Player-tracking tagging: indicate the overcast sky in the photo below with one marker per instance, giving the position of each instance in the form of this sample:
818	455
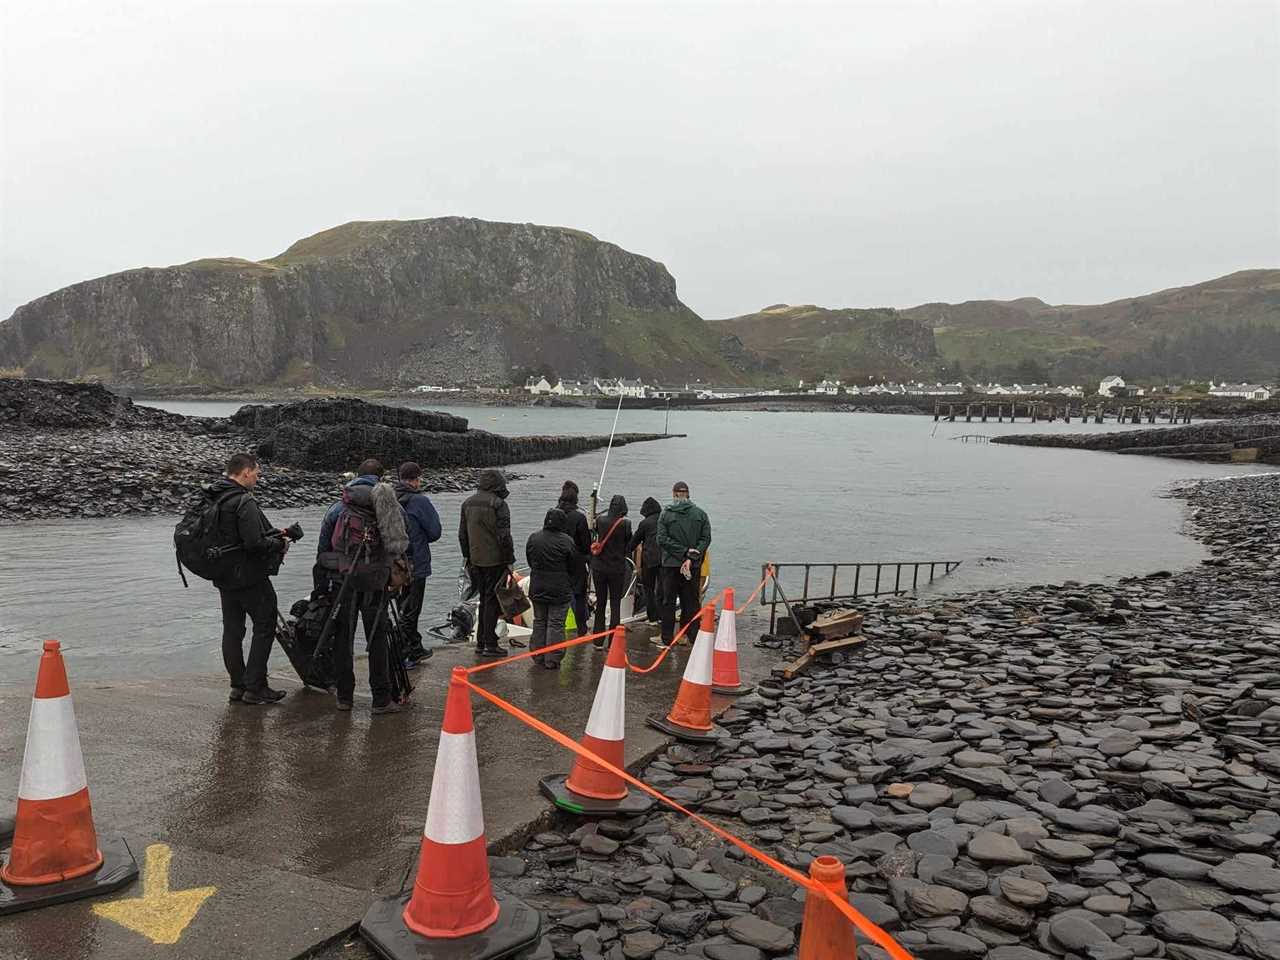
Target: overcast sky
851	154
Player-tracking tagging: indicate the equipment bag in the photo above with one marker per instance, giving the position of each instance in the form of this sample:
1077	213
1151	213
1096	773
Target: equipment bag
511	599
198	534
598	547
358	542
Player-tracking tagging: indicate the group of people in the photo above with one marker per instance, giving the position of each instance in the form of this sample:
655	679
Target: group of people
377	541
669	545
378	536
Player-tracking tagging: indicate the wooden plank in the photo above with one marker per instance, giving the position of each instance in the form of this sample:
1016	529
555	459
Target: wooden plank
802	662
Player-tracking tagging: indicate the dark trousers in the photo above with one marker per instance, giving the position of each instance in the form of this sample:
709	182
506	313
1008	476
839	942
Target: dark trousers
487	580
675	587
652	587
580	603
367	605
410	611
609	586
548	629
258	603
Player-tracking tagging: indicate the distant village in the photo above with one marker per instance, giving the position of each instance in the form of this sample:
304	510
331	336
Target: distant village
1111	386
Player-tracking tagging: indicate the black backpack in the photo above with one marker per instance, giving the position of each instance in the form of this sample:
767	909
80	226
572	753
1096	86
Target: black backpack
198	535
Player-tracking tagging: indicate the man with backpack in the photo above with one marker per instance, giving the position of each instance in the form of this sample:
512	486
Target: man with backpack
423	525
609	564
244	580
365	536
484	536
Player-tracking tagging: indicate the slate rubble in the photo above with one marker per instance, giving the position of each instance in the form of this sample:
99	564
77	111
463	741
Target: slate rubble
1096	774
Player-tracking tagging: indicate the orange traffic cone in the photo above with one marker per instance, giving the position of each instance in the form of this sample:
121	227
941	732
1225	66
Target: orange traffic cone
826	934
590	789
690	717
55	855
724	665
452	897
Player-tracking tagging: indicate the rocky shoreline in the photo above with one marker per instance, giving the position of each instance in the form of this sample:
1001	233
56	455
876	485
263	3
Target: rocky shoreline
71	450
1065	771
1251	439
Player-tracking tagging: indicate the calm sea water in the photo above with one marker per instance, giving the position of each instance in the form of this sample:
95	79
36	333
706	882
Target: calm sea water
778	487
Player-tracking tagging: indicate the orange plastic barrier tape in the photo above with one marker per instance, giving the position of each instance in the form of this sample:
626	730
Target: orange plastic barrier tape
768	572
662	654
869	929
479	668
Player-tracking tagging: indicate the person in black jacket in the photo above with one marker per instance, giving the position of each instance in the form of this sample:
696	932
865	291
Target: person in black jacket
609	563
485	538
580	532
646	537
552	558
245	589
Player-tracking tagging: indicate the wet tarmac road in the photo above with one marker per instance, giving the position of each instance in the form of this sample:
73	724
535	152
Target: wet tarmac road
312	810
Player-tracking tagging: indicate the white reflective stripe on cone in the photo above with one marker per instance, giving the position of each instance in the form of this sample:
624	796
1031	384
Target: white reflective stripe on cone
698	669
53	766
608	710
727	632
454	814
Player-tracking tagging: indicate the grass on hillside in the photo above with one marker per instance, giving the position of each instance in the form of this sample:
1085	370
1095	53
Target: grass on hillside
974	347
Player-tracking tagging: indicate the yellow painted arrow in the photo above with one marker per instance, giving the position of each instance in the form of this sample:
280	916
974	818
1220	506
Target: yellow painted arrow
160	914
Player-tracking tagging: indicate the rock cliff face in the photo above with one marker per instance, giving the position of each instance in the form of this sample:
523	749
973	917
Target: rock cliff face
376	304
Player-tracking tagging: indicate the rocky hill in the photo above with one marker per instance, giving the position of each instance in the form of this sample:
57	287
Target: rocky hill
376	304
1228	327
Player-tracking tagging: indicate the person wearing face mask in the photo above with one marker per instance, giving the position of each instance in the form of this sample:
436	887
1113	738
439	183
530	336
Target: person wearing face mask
684	535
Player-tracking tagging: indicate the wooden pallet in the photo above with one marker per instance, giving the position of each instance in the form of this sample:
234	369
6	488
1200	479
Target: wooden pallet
835	625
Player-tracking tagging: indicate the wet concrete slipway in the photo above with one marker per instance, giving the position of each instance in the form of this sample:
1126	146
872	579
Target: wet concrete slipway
295	815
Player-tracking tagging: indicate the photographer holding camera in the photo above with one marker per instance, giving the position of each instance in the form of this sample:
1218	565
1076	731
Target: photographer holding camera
245	583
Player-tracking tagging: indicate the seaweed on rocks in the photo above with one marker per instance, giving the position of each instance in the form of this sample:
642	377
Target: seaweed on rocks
1072	770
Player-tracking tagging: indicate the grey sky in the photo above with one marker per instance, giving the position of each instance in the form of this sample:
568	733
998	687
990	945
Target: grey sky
853	154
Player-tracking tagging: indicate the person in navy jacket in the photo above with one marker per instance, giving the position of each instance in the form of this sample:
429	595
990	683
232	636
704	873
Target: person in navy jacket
423	524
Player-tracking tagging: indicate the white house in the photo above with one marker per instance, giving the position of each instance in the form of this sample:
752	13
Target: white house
539	386
1244	391
1108	384
935	389
880	389
574	388
1070	391
831	387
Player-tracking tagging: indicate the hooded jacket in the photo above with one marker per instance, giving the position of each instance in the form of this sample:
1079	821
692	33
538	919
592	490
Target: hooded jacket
552	559
612	557
684	533
241	521
580	532
422	523
484	534
647	534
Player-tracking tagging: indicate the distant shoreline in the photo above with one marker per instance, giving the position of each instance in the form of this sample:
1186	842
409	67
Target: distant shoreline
1204	408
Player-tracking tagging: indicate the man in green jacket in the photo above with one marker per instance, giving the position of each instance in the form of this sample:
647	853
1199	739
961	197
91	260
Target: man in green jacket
684	534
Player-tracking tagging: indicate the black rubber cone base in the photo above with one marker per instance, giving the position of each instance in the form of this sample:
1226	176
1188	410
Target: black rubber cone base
118	869
518	926
687	734
740	690
632	805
